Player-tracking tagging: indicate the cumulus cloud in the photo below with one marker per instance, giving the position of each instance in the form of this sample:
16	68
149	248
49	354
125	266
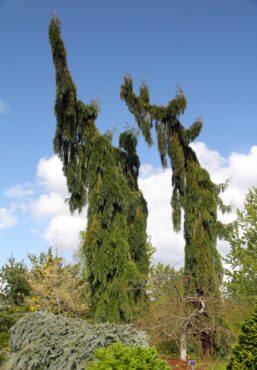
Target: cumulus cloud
156	186
3	107
7	218
238	169
48	205
50	175
63	231
155	183
19	191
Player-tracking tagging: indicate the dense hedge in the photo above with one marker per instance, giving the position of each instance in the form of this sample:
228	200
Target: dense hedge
45	341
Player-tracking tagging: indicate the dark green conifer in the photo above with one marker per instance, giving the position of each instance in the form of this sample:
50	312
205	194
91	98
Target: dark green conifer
193	190
244	354
114	244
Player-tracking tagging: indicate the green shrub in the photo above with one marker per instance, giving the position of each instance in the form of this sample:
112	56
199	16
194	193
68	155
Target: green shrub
244	354
9	315
120	357
45	341
3	358
168	347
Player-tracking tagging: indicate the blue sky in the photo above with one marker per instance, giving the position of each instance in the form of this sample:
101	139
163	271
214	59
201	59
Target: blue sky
207	47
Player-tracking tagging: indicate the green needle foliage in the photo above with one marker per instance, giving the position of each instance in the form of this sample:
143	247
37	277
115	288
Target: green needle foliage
193	191
114	244
242	236
15	287
45	341
120	357
244	355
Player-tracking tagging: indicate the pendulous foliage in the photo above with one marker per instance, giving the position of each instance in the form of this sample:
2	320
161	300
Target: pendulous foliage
114	244
193	190
45	341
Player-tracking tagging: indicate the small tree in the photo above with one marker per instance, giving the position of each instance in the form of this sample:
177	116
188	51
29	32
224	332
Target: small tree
15	285
56	287
242	273
244	355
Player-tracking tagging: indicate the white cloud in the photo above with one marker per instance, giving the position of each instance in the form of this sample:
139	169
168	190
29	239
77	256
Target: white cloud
156	186
63	231
48	205
7	218
50	175
238	168
3	107
19	191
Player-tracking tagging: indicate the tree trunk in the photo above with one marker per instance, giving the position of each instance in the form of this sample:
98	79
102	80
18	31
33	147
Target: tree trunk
206	345
183	347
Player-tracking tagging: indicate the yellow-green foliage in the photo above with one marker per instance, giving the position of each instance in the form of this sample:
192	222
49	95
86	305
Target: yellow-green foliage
120	357
57	287
114	244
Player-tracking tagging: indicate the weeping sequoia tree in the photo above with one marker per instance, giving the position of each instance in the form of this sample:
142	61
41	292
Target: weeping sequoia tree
196	195
105	178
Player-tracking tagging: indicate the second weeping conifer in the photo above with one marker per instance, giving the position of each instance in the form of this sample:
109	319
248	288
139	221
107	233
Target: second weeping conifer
193	191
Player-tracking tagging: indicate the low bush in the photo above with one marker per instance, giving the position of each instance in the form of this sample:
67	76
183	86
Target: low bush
120	357
44	341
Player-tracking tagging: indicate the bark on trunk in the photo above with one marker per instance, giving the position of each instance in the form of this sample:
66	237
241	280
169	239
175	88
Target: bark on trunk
206	345
183	347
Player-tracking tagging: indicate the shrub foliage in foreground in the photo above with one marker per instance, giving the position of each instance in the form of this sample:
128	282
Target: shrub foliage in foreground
120	357
45	341
244	355
9	315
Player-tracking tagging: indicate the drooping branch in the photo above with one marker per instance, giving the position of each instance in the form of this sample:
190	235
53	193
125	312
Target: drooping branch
75	128
193	190
114	246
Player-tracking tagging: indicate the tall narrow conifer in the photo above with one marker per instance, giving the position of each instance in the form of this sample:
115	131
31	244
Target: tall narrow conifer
193	191
114	244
